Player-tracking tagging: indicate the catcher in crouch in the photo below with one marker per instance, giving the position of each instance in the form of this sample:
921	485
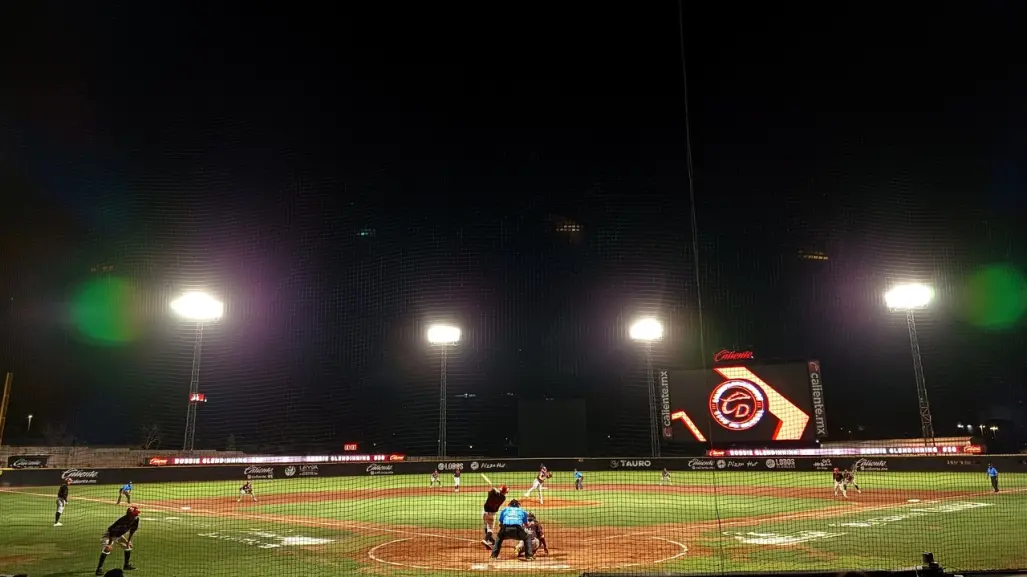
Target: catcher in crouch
535	534
120	533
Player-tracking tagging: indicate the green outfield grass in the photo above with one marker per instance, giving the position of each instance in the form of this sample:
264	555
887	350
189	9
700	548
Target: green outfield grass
770	521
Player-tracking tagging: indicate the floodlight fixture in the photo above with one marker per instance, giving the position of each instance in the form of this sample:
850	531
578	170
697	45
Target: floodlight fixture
909	297
198	306
647	329
443	334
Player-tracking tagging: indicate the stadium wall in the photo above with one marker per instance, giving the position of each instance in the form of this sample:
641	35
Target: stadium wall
107	457
108	476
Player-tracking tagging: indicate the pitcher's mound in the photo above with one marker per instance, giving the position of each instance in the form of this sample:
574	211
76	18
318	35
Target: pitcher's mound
599	553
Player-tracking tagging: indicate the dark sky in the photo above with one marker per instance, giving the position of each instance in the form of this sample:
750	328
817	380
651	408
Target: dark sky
242	150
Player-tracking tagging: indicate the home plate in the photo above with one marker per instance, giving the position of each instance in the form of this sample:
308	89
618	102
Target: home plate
517	566
913	500
187	508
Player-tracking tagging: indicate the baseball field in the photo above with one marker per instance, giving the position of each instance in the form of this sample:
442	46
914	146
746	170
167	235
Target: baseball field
706	522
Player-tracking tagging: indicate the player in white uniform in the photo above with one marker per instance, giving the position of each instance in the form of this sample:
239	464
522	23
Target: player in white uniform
665	477
539	483
456	480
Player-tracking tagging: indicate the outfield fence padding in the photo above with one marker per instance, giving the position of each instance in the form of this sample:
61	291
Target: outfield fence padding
170	474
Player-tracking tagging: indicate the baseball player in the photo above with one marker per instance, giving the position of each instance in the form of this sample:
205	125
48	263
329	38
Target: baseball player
539	483
493	502
435	479
850	479
120	533
839	483
62	501
665	477
126	492
511	526
456	480
579	480
535	534
246	489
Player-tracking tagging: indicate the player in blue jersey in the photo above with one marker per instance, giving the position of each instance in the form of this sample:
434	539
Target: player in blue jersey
126	492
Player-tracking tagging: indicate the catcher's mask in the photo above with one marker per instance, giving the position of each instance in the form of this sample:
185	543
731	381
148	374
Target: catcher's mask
531	516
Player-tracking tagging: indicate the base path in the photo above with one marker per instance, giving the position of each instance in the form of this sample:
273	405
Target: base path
597	553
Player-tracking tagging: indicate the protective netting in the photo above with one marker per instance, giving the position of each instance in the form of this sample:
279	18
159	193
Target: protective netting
628	516
542	211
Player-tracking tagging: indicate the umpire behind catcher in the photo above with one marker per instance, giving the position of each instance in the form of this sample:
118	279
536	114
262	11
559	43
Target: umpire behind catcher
511	521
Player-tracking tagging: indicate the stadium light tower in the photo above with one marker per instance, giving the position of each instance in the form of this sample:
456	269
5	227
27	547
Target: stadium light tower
199	308
443	336
648	331
910	298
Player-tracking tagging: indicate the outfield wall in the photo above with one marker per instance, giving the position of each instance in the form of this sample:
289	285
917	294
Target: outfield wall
101	476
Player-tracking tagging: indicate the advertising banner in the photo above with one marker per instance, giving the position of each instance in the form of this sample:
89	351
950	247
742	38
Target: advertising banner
636	467
27	461
816	388
665	426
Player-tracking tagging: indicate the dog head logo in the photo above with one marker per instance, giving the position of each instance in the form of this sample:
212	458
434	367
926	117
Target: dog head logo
738	405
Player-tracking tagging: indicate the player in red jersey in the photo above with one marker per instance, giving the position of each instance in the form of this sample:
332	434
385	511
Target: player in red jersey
839	483
120	533
539	483
245	490
537	536
850	479
493	501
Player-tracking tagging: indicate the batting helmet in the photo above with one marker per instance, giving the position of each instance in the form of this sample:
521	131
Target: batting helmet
503	489
133	511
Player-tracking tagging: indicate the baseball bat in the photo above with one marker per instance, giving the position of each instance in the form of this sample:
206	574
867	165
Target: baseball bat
486	479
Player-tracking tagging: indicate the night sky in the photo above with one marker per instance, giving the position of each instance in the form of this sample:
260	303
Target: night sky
343	178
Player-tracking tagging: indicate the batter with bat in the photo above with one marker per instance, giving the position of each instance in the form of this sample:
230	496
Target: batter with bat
493	501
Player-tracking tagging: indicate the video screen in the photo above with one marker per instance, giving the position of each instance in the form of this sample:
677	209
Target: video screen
741	403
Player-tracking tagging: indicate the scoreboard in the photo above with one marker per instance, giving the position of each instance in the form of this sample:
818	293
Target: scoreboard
735	402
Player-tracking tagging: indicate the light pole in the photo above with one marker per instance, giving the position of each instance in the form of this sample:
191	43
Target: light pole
647	331
28	429
199	308
910	298
443	336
